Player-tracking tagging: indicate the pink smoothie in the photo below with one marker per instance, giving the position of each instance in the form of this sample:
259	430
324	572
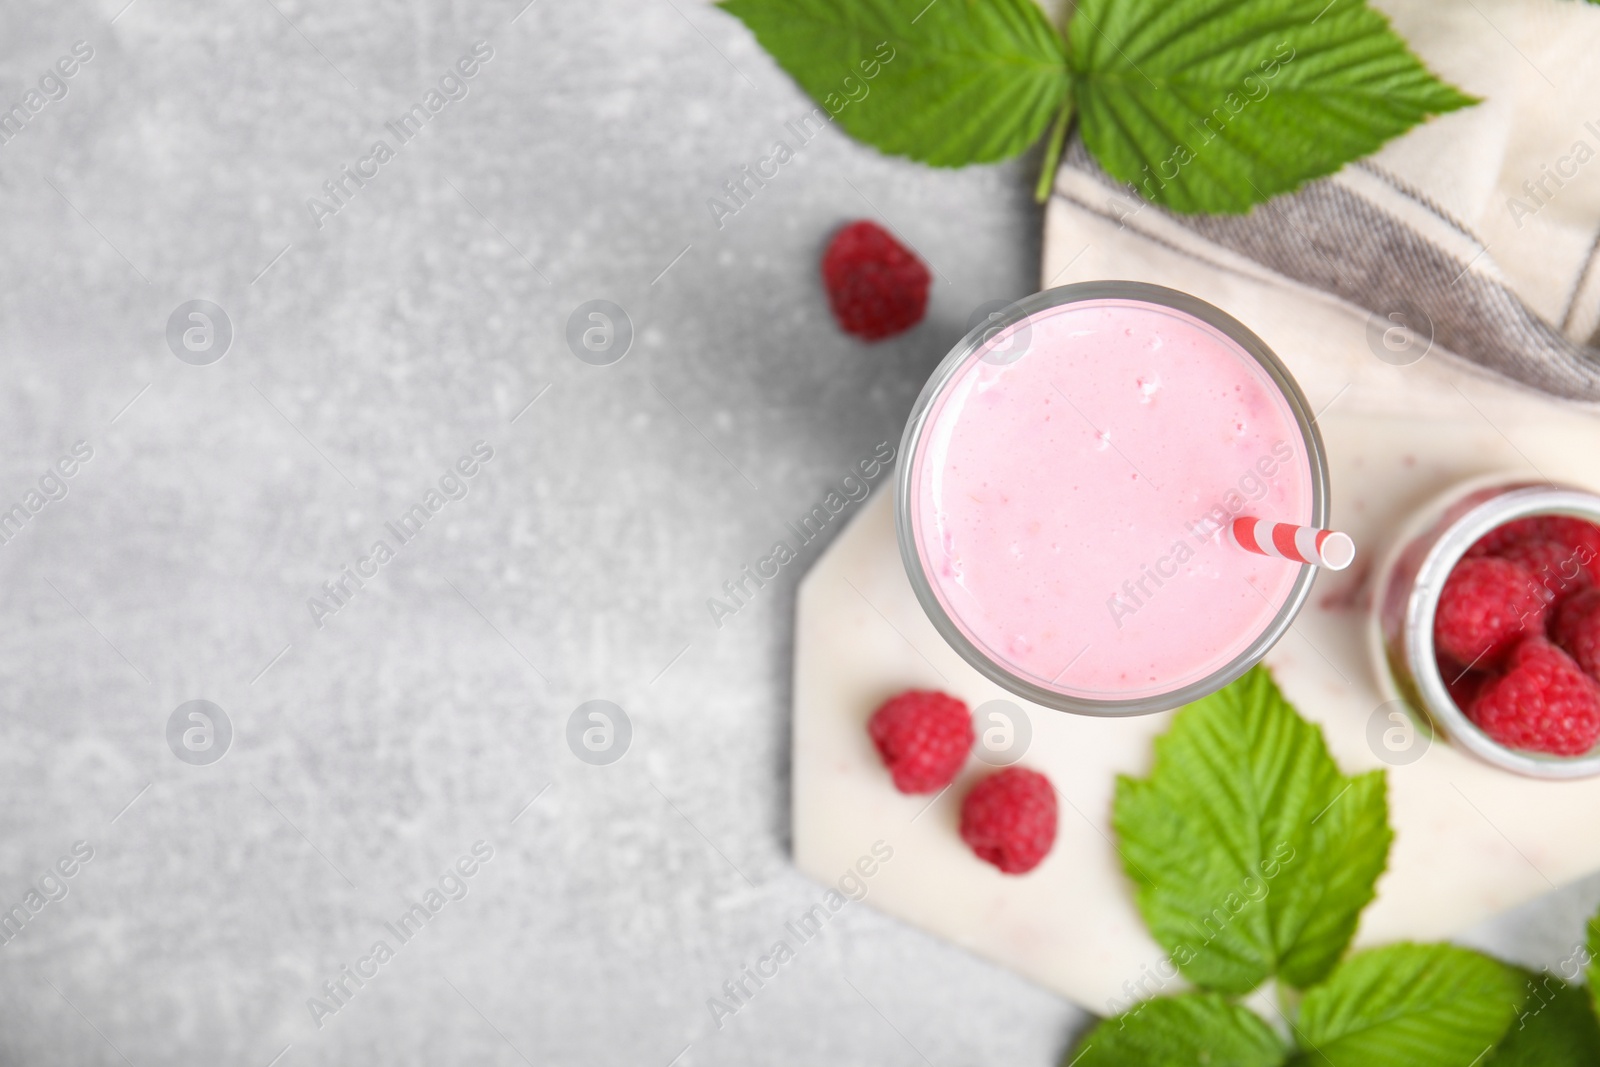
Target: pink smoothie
1067	505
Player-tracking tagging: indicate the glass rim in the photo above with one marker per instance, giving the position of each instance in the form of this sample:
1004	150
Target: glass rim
911	439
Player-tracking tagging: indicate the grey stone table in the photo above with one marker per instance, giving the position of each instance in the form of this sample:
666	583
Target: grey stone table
243	345
379	730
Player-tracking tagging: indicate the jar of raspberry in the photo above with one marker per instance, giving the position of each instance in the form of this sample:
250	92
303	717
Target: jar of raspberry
1487	623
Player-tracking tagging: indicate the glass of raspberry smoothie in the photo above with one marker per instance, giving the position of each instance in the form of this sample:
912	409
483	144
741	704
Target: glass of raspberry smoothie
1069	474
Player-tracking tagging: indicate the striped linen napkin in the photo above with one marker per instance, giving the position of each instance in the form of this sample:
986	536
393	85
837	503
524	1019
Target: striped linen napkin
1476	235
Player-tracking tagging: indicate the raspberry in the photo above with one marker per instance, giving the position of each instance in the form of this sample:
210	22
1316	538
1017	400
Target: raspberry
1558	568
1579	536
1577	630
1463	685
1502	537
1009	819
1486	605
1582	538
1543	703
923	737
875	286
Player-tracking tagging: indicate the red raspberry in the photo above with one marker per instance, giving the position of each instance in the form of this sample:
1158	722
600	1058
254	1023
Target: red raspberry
923	737
1486	605
1579	535
1502	537
1009	819
1558	568
1463	685
1543	703
1577	630
875	286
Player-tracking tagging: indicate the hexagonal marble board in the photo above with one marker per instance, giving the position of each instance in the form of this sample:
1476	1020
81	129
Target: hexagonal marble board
1470	840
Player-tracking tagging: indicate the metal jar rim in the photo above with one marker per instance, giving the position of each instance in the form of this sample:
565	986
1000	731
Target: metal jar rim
956	359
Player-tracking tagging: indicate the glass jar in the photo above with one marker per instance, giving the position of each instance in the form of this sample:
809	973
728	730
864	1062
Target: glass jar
1409	583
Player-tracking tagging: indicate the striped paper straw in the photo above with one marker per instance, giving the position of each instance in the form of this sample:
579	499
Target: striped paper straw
1303	544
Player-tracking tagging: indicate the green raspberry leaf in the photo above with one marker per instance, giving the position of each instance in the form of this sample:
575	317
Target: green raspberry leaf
952	82
1181	1032
1556	1027
1594	954
1252	854
1216	105
1409	1005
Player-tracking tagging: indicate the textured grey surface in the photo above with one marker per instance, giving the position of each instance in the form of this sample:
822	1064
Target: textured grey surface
426	713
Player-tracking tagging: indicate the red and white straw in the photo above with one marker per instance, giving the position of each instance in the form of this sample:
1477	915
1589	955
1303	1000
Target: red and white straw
1303	544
